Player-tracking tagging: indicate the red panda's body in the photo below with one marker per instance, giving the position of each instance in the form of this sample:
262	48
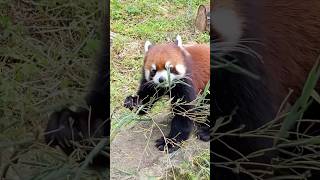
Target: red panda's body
288	35
278	40
183	68
200	65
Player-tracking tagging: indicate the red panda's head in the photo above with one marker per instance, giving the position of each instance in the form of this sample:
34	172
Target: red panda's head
164	63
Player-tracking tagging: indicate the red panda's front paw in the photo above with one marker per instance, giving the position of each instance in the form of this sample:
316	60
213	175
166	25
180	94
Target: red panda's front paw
167	144
63	127
131	102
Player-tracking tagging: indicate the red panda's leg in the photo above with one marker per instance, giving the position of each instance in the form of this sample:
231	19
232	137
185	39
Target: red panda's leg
181	125
181	128
203	129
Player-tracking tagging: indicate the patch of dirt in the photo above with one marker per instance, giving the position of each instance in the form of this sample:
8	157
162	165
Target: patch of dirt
134	155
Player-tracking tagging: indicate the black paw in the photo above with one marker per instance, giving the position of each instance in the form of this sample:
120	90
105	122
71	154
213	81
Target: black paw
131	102
69	129
167	144
63	126
203	133
67	126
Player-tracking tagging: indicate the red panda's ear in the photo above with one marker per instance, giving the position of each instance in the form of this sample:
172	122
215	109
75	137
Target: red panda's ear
178	41
228	24
147	46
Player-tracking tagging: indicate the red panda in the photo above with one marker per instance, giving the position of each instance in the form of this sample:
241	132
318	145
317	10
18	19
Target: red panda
277	40
164	66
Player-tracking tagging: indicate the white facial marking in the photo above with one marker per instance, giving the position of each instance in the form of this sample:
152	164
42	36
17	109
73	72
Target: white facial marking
228	24
147	74
162	74
179	40
181	69
147	46
153	66
168	64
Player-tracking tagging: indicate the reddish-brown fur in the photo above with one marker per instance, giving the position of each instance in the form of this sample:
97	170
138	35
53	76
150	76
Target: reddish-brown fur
286	35
201	65
160	54
290	33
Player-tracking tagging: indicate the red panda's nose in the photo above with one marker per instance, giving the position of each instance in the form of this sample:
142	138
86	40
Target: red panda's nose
161	80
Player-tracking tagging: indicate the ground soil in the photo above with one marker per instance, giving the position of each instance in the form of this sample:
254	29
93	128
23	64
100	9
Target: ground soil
134	156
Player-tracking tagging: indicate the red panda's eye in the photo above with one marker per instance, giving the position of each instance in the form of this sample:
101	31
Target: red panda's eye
153	72
173	70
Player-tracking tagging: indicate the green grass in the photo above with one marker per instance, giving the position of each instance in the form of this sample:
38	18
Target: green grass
46	54
155	20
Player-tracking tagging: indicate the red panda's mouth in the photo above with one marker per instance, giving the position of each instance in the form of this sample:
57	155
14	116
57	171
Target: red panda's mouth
164	77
